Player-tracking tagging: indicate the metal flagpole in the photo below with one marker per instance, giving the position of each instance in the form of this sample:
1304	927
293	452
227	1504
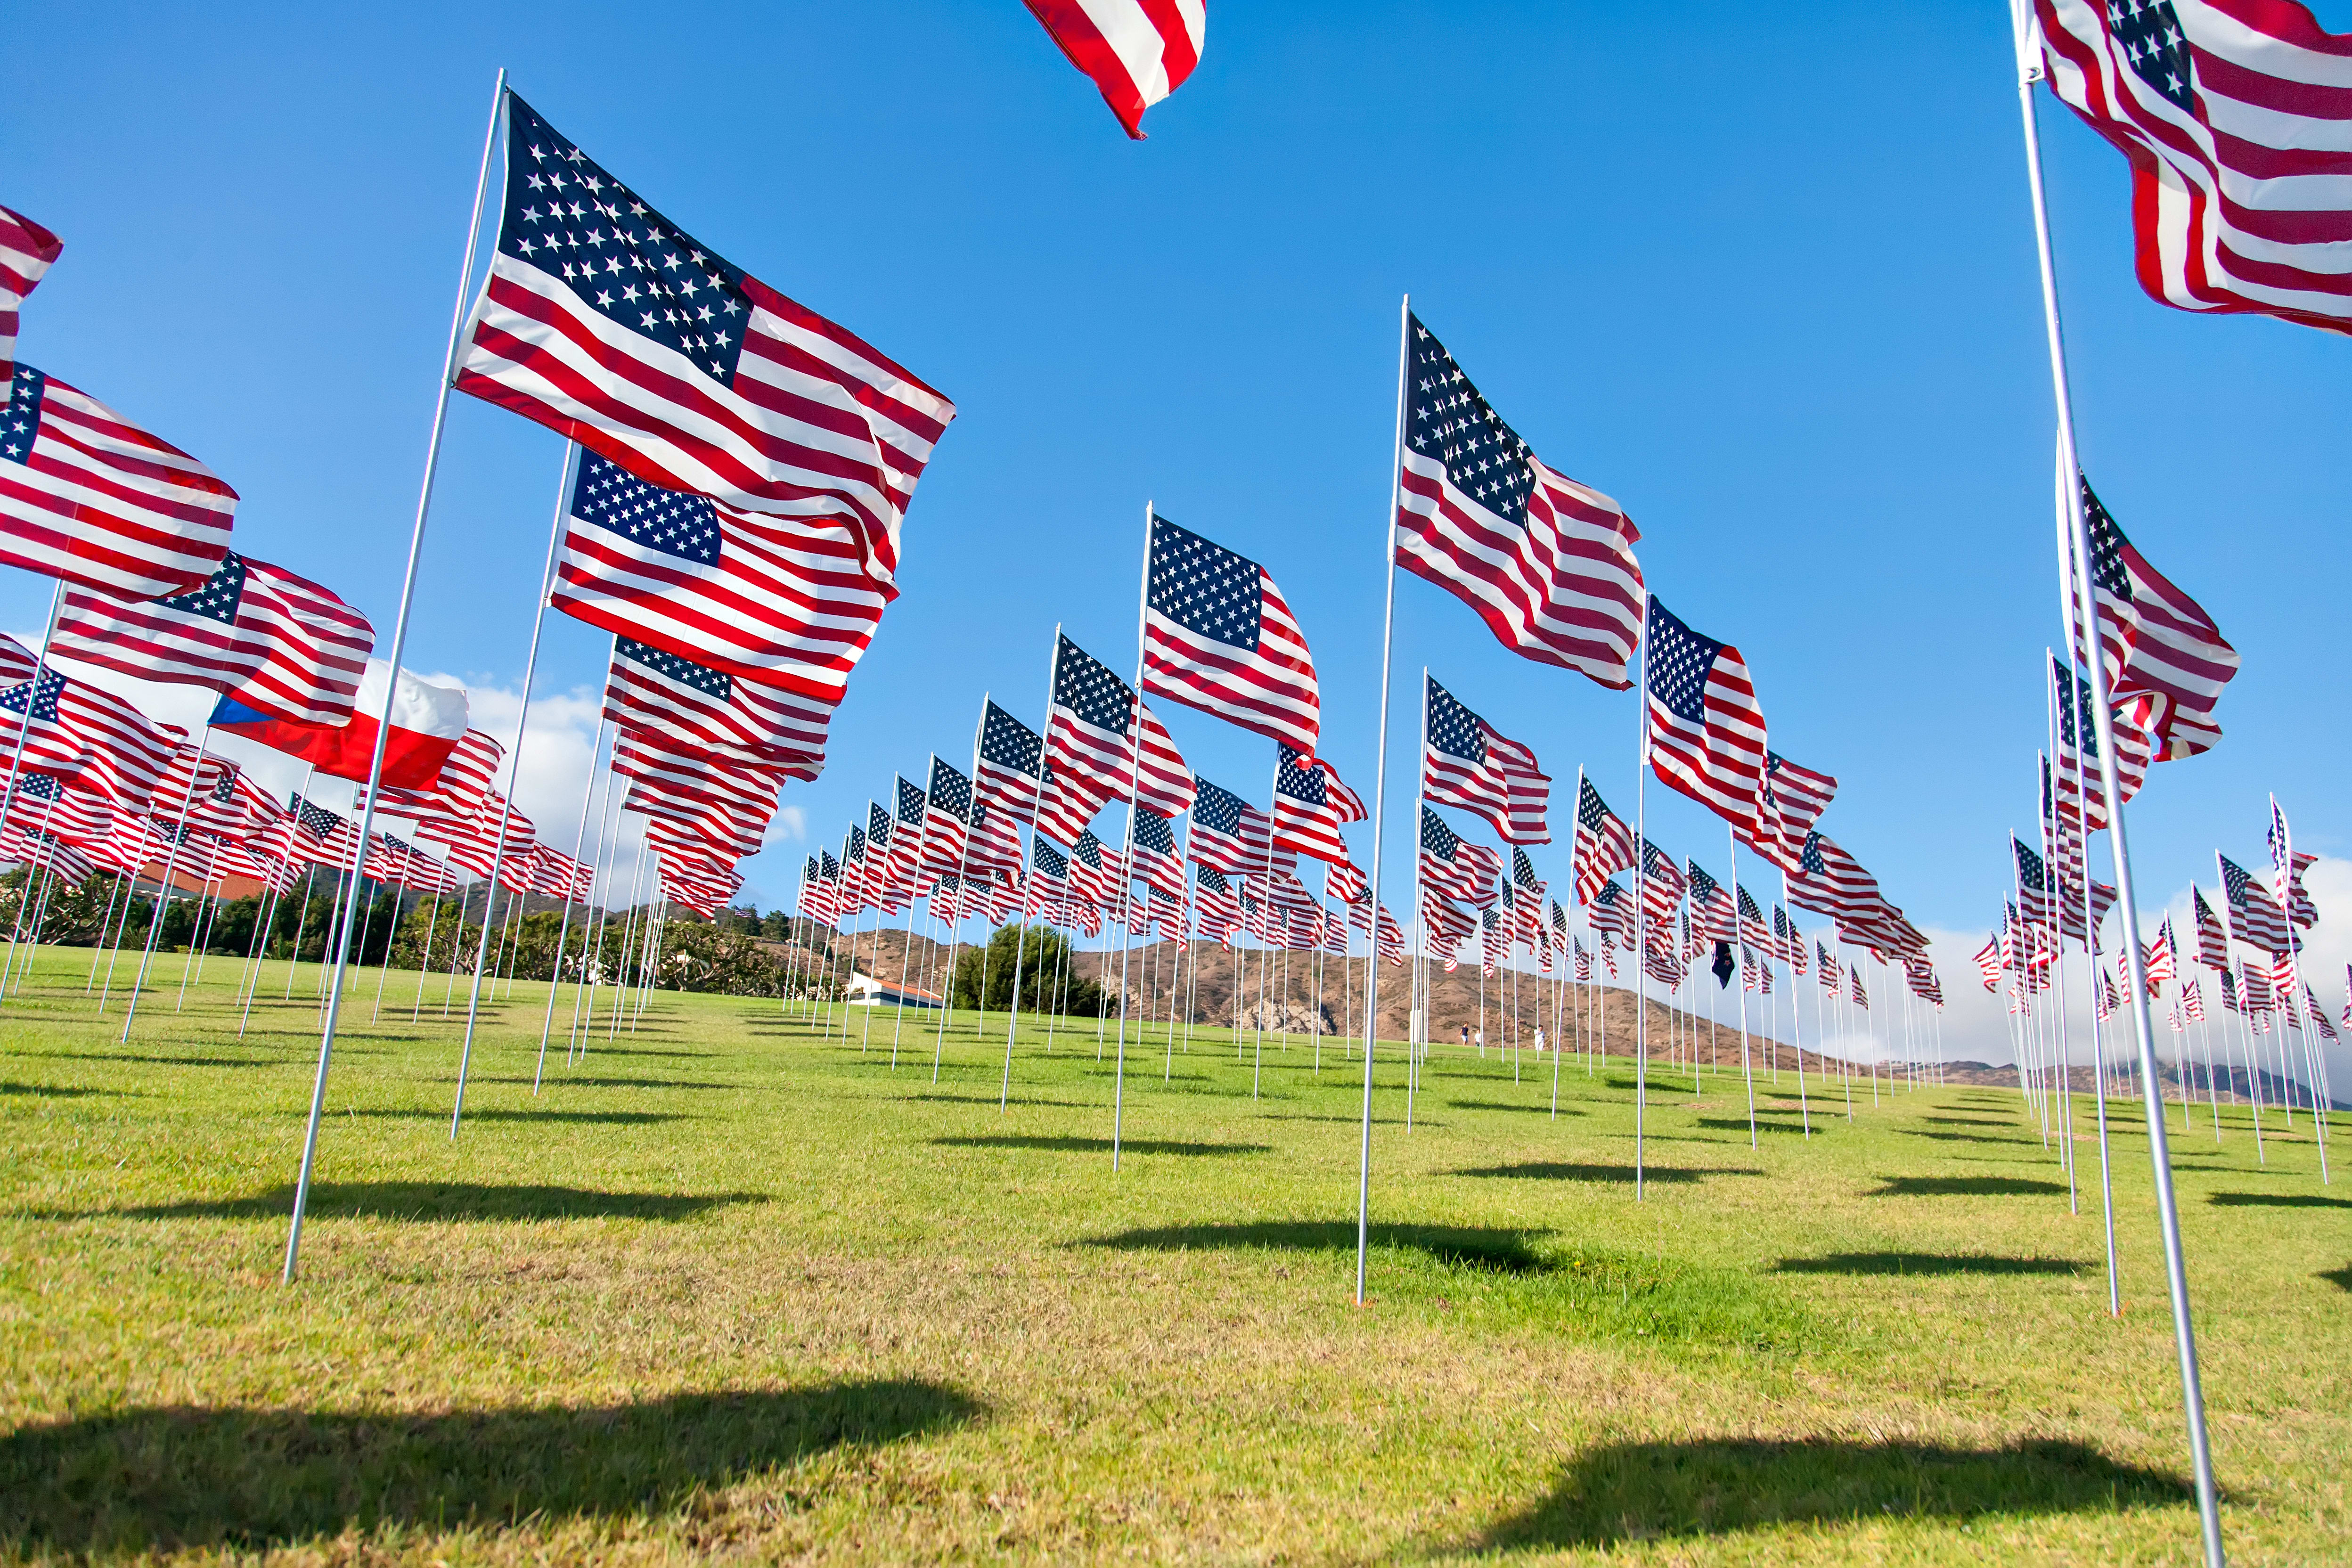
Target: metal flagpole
514	772
163	889
1126	852
2295	995
575	1046
32	690
1021	931
1380	793
1796	1017
2160	1154
563	934
955	899
391	677
1640	900
1266	912
914	884
1747	1068
1417	1051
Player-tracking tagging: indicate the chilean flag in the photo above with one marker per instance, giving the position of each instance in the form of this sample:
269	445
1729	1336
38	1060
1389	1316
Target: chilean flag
426	722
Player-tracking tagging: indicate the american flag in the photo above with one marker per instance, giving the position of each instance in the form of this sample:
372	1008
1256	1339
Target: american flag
555	873
2081	782
1010	756
1156	857
1454	867
1446	927
1920	976
1493	946
1794	798
1530	901
1049	872
82	733
1547	562
1218	637
1345	882
1220	909
457	791
321	838
1828	881
477	844
2105	1000
706	890
675	785
887	860
88	497
2035	888
1095	872
1707	733
25	252
2192	1000
65	861
1232	836
906	839
1137	51
1662	884
1825	968
1752	929
2255	918
2230	992
1860	997
203	789
1608	912
1583	965
2161	961
2233	120
1466	762
1791	941
2166	661
946	818
1664	967
1711	907
2287	866
827	903
778	601
1989	963
1089	749
1604	844
606	322
808	903
2212	941
701	712
284	645
1310	805
996	842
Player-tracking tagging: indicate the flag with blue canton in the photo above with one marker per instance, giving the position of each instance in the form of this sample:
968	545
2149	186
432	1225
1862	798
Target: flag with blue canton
1156	860
1707	736
1603	845
607	322
1232	836
1009	755
1454	868
704	712
1218	637
1310	805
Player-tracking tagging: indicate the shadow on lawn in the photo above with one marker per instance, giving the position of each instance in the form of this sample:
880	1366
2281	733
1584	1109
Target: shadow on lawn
614	1118
1963	1186
2278	1200
1539	1109
54	1090
1477	1247
1558	1170
432	1201
167	1477
1926	1263
1071	1144
1641	1491
566	1078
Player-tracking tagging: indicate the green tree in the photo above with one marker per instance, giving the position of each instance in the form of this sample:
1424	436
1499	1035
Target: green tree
1045	957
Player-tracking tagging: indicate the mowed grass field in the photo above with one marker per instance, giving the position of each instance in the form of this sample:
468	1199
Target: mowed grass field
726	1287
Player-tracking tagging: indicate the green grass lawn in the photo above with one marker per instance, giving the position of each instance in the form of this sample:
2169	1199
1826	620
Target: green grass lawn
725	1287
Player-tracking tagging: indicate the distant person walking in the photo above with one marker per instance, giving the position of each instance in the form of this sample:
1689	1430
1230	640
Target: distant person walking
1539	1039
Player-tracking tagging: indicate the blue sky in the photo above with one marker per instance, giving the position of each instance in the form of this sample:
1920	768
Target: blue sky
1766	276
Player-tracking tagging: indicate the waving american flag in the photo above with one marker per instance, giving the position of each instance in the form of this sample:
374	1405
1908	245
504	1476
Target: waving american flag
1217	636
1137	51
704	712
25	252
1547	562
1310	805
1706	730
1467	761
605	321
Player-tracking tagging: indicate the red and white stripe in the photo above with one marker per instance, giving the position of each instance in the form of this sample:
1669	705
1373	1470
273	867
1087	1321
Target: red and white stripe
2242	202
1137	51
1714	756
98	740
90	498
25	252
1794	798
293	651
1270	690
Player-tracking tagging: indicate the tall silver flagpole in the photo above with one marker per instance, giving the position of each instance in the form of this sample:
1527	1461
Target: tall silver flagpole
163	884
399	644
514	777
1021	933
1380	801
1747	1068
2312	1058
32	690
1641	900
955	899
1416	1051
2158	1148
563	934
1126	851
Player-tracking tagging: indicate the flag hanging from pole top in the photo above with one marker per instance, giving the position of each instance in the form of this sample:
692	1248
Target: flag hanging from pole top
89	497
1706	730
2165	658
782	601
607	322
1547	562
1218	636
283	646
25	252
1604	844
2235	117
1467	761
1137	51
